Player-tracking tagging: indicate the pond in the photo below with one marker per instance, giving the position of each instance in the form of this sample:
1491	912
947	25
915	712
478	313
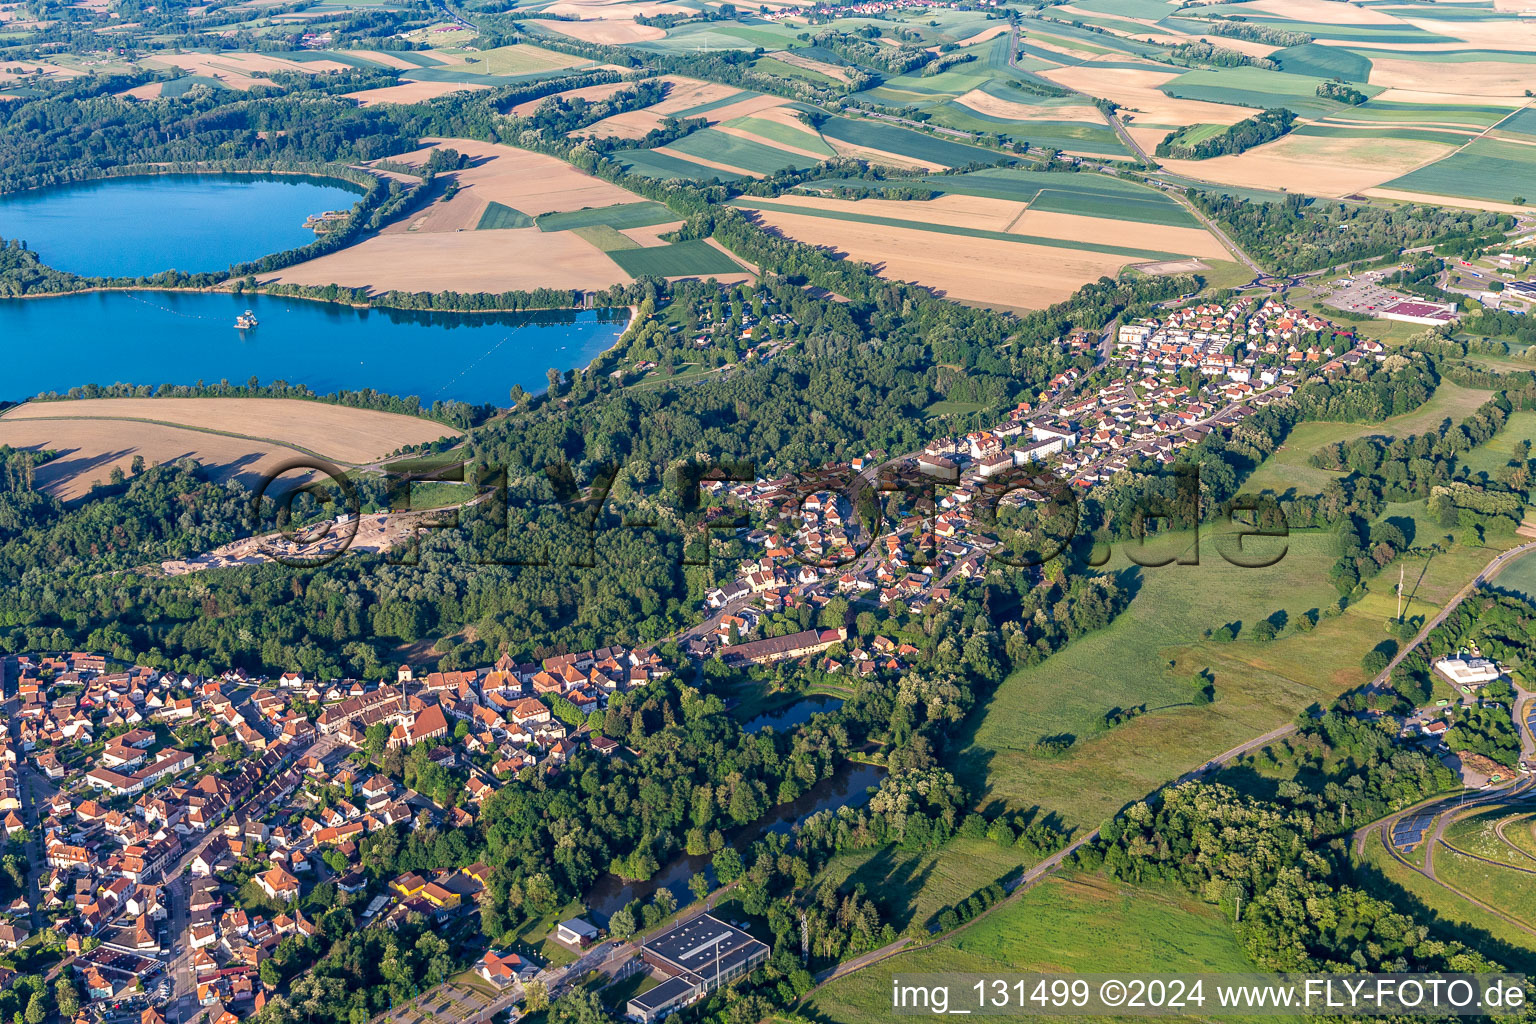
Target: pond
847	788
797	713
54	344
131	227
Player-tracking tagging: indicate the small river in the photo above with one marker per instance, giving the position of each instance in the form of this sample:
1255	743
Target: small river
131	227
848	788
54	344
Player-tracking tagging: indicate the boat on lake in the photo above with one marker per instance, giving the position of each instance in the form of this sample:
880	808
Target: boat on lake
245	321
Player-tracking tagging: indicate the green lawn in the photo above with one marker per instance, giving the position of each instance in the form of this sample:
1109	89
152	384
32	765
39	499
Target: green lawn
661	165
889	138
1127	665
1254	87
1064	925
1475	834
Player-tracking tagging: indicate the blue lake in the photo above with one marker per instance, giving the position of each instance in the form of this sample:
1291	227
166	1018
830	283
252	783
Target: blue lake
130	227
154	338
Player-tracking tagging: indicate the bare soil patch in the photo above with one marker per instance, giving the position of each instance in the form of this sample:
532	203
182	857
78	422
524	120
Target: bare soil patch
795	60
1099	230
984	35
1325	12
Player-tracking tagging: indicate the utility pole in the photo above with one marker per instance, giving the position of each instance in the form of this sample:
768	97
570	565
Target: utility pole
1400	593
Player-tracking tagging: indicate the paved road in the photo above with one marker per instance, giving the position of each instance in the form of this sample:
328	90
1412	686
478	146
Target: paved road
1489	571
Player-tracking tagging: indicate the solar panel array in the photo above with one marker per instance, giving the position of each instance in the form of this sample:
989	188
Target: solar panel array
1409	831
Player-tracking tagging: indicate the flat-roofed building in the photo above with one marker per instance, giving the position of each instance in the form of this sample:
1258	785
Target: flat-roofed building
698	956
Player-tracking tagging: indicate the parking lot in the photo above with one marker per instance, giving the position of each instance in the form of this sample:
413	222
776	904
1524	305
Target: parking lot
1364	293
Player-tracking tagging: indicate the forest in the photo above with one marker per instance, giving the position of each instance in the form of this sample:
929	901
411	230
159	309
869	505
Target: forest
1262	127
1299	234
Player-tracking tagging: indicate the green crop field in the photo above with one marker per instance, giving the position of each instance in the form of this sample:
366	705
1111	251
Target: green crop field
1147	658
605	238
497	217
1521	122
660	165
852	215
774	66
1089	195
1153	10
1075	924
695	258
703	108
1344	131
901	141
1427	114
1485	169
773	131
1399	33
1519	576
626	215
723	35
733	151
1094	138
1324	62
1255	87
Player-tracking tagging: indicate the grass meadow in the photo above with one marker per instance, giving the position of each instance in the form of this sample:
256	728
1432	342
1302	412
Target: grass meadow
1077	924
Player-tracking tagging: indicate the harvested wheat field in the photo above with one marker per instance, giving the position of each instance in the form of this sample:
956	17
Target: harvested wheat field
992	272
410	92
530	182
337	432
1483	34
89	451
983	36
1483	81
590	93
1136	91
1317	166
608	31
1324	12
795	60
239	70
465	261
1102	231
1436	200
996	106
682	94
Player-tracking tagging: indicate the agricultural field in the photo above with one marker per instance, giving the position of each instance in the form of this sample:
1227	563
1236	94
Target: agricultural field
915	887
988	250
515	222
1485	169
1073	924
234	438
